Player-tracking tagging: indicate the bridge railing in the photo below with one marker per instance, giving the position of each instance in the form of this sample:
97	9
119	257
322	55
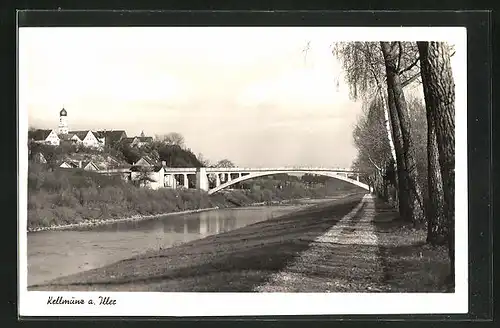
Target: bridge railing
285	168
256	169
180	169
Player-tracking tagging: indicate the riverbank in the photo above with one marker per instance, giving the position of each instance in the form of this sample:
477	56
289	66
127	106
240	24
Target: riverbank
343	246
100	222
64	199
94	223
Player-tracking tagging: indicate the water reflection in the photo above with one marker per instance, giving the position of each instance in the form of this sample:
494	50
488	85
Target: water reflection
56	253
203	223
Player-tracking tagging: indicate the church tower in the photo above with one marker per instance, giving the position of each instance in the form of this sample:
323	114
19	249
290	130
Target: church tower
63	122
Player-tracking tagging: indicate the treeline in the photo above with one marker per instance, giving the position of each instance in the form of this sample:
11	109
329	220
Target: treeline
409	147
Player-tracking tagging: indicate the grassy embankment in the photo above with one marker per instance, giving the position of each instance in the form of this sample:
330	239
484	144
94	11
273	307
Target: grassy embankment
409	263
62	197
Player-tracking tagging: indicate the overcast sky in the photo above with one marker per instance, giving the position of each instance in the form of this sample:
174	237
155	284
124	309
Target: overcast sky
246	94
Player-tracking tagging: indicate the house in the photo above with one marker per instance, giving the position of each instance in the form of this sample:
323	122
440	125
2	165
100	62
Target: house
68	165
113	136
85	165
140	141
87	138
89	166
48	137
148	176
145	161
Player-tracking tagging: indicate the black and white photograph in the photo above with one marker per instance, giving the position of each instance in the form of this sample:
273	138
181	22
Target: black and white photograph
200	171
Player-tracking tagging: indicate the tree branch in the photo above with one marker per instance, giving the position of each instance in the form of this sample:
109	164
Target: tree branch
411	66
376	166
410	80
400	54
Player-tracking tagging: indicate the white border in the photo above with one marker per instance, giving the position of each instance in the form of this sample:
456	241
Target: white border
232	304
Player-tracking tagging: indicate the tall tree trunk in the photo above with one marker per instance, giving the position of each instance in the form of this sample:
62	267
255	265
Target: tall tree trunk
439	91
387	122
387	125
402	181
436	220
390	53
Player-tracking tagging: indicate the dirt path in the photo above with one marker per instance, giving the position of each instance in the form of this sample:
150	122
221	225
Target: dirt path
332	252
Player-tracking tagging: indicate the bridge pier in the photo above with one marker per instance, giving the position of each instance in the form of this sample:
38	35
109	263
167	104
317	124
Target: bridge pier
202	179
357	177
186	181
217	179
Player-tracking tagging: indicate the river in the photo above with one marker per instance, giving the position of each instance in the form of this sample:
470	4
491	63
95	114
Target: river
52	254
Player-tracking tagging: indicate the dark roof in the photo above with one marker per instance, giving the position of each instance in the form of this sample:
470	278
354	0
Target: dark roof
80	134
38	134
114	135
63	112
98	134
157	168
64	137
128	140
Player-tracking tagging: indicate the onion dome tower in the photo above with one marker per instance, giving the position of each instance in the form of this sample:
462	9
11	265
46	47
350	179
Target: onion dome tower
63	122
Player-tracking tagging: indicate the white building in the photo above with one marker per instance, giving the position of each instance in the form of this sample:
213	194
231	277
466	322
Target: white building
86	138
149	176
48	137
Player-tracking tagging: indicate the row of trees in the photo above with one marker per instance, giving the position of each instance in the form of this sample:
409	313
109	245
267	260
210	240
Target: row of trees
388	134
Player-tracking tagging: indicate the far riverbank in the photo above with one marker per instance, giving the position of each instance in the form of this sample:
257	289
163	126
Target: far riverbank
97	222
65	199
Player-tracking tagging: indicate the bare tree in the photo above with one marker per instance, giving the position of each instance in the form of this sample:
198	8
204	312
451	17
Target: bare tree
173	138
374	150
439	92
204	162
224	163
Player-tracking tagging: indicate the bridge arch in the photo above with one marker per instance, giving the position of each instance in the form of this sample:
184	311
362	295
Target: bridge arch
265	173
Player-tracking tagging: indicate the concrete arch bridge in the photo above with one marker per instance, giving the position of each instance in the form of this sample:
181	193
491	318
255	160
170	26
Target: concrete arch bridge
226	177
